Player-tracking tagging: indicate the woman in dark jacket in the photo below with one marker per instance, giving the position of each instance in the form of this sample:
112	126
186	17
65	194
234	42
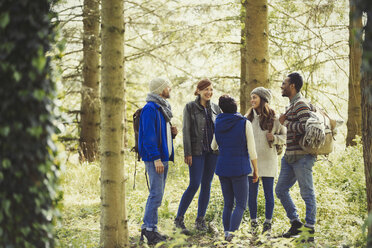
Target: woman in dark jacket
235	140
198	129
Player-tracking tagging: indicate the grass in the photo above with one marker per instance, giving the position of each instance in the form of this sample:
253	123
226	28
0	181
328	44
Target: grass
340	192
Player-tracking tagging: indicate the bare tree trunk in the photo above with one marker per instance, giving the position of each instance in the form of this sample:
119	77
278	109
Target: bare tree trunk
354	122
366	103
114	228
90	105
255	49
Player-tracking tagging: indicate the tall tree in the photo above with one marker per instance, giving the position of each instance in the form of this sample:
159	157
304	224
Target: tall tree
114	228
354	122
254	50
90	105
27	170
366	102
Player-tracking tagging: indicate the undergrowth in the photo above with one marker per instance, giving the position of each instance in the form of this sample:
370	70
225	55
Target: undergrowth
340	193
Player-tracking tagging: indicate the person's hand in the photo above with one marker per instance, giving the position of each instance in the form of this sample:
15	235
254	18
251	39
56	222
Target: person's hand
255	177
282	118
188	160
270	137
174	131
159	167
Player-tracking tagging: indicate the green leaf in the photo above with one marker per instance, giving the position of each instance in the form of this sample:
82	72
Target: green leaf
4	20
6	163
4	131
17	76
39	94
39	62
35	131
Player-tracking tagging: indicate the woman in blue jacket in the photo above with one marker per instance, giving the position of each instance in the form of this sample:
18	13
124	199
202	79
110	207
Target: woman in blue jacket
235	141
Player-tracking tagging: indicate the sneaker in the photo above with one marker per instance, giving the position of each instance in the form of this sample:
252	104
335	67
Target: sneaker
200	224
294	230
229	237
152	237
266	228
178	222
254	227
311	231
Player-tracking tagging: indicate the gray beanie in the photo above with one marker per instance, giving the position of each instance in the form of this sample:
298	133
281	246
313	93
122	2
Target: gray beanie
263	93
157	85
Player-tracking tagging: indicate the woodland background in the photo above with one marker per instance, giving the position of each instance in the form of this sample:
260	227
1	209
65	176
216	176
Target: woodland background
185	41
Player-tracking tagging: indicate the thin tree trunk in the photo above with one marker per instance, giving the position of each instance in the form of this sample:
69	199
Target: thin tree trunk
114	229
254	51
90	105
354	121
366	103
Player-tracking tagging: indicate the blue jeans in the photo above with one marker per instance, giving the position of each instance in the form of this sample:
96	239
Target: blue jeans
234	188
301	171
157	184
201	174
268	186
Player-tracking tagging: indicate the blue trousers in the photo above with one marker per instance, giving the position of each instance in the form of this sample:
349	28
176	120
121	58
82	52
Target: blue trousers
201	174
268	186
301	171
234	188
157	185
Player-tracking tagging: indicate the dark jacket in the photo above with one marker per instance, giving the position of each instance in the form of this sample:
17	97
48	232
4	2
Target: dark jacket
193	126
233	159
149	134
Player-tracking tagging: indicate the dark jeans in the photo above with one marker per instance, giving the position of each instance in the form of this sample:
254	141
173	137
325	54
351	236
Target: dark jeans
234	188
268	185
201	174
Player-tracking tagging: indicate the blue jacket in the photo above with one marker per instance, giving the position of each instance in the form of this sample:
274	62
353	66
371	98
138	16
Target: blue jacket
232	144
149	134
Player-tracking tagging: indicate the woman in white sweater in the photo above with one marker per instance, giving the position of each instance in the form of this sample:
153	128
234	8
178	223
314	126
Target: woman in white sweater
268	133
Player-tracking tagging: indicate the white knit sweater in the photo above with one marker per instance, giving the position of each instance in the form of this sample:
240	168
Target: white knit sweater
267	158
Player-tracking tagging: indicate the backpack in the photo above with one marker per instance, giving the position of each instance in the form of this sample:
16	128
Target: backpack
320	130
136	124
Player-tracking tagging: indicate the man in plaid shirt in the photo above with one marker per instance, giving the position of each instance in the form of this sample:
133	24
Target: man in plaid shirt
296	164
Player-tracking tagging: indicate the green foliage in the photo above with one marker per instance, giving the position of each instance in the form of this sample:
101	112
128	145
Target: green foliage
340	192
28	166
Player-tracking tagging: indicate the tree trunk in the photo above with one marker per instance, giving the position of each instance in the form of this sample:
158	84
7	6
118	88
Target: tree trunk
28	165
254	51
355	59
114	229
366	103
90	105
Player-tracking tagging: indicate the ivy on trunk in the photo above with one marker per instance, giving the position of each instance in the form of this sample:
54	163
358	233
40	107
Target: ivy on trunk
27	171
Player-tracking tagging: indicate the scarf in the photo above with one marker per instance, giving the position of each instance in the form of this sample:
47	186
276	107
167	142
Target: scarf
164	105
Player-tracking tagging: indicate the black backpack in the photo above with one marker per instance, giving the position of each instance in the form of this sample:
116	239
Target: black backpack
136	124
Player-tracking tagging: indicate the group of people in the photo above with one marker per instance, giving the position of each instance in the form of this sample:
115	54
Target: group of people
240	150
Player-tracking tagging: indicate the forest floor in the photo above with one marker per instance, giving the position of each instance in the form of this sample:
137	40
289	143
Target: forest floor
340	192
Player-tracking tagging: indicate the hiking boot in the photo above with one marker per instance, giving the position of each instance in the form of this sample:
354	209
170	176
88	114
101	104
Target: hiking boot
266	228
178	222
161	236
294	230
153	237
200	224
254	227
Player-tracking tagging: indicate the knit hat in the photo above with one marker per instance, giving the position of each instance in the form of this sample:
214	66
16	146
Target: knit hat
263	93
157	85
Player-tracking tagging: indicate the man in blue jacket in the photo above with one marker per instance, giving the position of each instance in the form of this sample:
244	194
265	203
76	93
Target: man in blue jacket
156	149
